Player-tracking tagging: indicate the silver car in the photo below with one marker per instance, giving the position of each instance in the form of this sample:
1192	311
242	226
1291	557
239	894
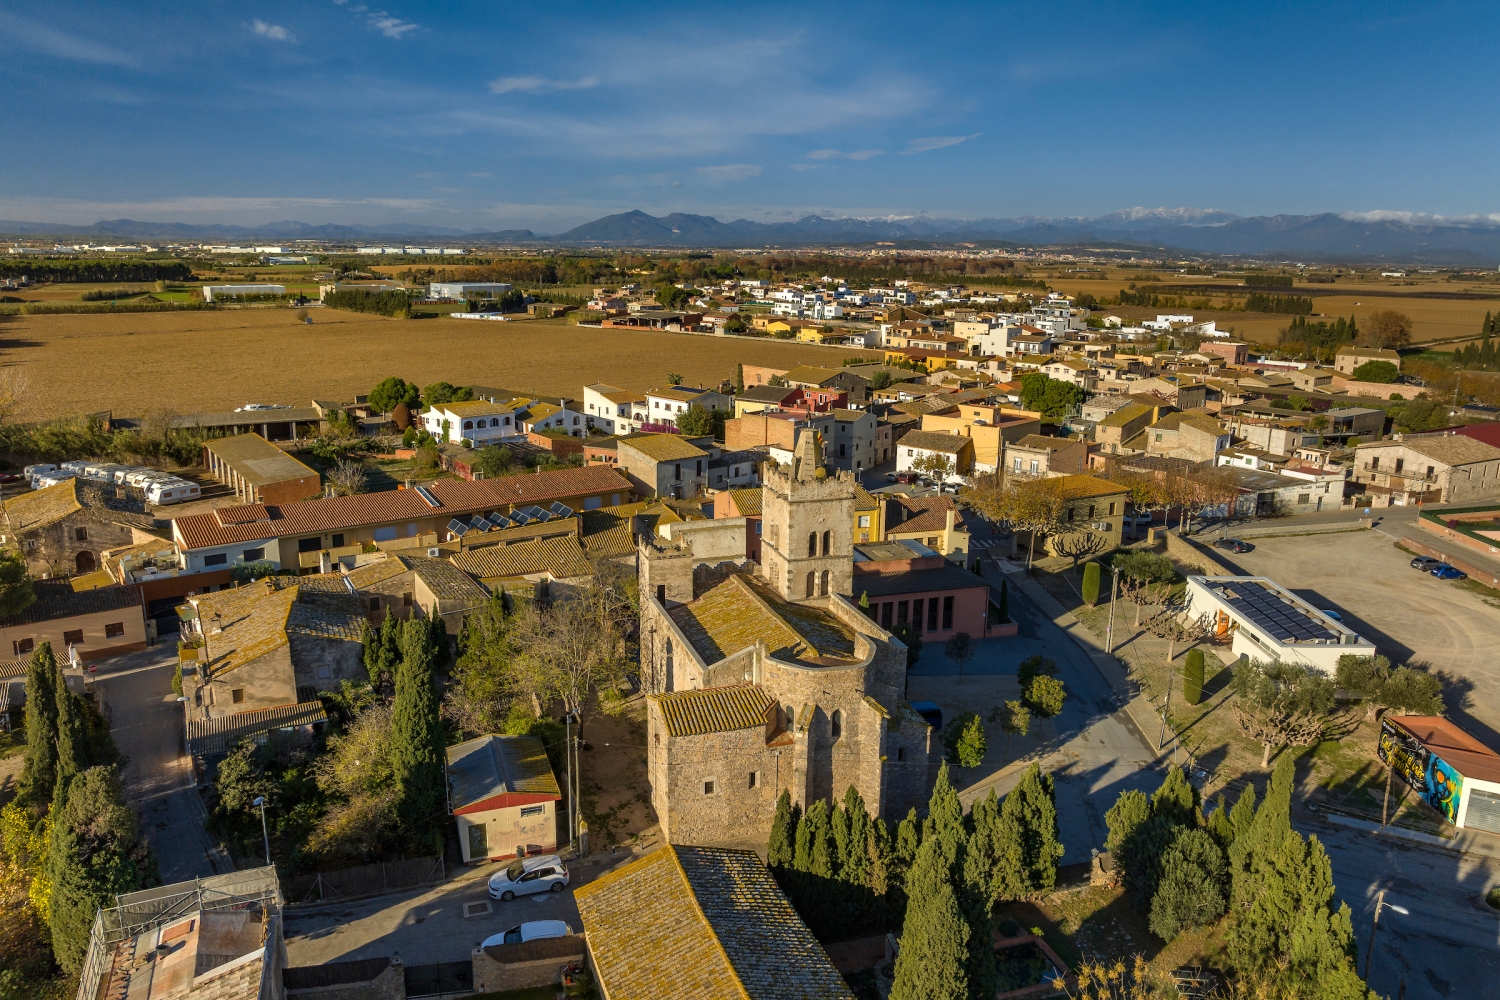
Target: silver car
542	873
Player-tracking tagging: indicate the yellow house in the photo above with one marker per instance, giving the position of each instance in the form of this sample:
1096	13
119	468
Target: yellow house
813	335
990	427
1093	516
869	517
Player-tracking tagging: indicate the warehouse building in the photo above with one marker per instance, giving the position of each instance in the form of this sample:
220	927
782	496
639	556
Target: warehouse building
258	471
458	291
213	293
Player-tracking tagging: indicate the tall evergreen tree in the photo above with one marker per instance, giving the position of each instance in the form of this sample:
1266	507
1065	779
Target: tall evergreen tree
854	865
945	818
1130	810
779	849
93	855
72	732
1251	856
416	733
820	839
1177	799
1219	827
1033	806
39	770
1242	816
1193	888
933	963
838	825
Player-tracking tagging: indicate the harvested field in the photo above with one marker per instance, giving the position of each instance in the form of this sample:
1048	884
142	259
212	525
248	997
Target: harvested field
203	361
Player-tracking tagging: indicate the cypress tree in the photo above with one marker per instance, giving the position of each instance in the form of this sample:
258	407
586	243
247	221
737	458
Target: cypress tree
1091	584
1130	810
945	817
1243	814
933	963
783	833
838	823
416	734
1177	799
802	846
1192	889
854	866
739	378
39	770
1192	677
72	733
89	858
1251	856
1033	807
820	840
1219	826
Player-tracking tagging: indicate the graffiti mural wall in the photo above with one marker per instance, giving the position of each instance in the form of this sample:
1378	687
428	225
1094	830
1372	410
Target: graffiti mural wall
1439	785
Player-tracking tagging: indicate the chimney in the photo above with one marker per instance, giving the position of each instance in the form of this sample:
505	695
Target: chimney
325	562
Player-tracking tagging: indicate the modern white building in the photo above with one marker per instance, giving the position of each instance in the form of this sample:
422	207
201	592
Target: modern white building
1267	622
664	405
457	291
213	293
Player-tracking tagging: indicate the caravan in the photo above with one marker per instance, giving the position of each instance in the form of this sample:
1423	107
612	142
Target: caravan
164	492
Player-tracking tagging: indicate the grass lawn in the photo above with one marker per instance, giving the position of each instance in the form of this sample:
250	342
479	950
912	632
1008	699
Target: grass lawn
12	743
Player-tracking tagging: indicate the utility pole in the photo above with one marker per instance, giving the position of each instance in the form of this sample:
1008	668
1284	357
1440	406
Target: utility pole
260	800
1166	702
1114	595
568	756
1385	810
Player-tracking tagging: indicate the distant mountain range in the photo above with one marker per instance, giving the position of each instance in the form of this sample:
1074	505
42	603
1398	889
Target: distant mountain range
1372	237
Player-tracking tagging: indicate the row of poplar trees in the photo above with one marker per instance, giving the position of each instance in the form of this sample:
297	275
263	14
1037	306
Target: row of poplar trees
1188	870
68	826
939	877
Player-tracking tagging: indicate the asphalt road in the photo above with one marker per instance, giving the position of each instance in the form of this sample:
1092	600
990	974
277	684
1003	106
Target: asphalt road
146	722
1092	749
439	924
1449	944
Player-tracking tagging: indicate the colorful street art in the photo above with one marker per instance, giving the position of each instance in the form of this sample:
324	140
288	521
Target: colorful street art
1439	785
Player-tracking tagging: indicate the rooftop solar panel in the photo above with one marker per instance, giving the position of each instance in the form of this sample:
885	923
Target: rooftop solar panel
1279	618
457	527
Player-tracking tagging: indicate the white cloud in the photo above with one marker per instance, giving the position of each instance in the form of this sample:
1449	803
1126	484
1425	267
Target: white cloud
391	27
839	154
935	142
800	167
730	171
275	32
1419	218
533	84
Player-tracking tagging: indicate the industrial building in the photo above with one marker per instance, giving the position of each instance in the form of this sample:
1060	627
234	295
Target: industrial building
457	291
258	471
213	293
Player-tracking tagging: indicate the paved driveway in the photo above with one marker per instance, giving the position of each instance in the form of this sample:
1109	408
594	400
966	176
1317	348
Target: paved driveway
146	722
1410	616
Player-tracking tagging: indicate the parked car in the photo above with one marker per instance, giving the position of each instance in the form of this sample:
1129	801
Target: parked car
890	477
1446	572
1234	545
540	873
531	930
1426	563
950	488
906	477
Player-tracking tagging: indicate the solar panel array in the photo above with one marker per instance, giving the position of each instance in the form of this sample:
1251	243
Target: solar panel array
1282	621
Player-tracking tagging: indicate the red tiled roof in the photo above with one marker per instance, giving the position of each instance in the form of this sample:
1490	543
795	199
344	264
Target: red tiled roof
254	521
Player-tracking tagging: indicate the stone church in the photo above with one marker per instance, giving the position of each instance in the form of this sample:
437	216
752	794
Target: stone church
764	679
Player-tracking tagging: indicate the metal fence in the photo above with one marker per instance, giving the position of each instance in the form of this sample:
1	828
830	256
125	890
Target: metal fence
365	880
138	912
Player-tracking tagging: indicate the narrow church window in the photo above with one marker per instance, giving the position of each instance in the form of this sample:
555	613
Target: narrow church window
836	724
708	787
811	576
823	585
812	543
661	592
669	656
754	779
900	754
827	540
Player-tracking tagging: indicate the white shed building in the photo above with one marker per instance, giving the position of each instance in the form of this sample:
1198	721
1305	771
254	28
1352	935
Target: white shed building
457	291
1267	622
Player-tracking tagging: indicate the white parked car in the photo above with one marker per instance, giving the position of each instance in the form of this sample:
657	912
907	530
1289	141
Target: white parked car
531	930
542	873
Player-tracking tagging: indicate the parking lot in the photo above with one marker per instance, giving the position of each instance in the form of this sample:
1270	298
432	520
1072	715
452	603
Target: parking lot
1410	616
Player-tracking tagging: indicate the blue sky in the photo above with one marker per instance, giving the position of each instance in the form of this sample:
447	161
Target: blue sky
494	116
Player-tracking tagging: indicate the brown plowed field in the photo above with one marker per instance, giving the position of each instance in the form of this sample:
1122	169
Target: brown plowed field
211	361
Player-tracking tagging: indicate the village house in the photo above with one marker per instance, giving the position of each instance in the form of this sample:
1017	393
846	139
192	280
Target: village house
91	624
936	522
503	795
64	529
1093	516
1349	357
935	446
613	410
1195	437
1448	468
663	465
477	421
664	406
1037	455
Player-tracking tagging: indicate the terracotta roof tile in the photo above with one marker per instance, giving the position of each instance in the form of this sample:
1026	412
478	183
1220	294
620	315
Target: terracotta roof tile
927	514
713	710
215	736
564	558
456	497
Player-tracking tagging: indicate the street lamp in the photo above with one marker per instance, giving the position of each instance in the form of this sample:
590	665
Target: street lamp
1380	902
260	800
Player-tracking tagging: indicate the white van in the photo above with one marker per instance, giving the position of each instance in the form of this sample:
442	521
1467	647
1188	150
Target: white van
76	466
51	479
32	471
140	477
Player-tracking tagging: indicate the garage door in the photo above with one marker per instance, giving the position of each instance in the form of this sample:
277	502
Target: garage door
1484	811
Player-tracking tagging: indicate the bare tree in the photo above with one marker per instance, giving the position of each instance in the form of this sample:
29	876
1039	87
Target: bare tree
1169	624
1279	728
347	478
1079	545
1144	594
1034	506
577	644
